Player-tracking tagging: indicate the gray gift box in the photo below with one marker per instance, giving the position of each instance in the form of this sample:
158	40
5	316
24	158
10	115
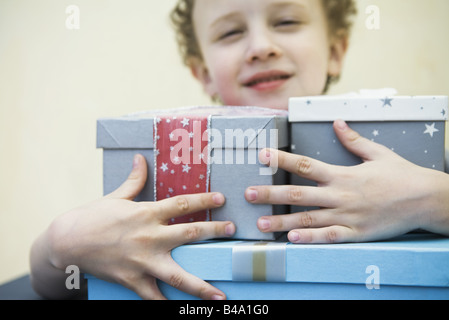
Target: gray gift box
238	134
411	126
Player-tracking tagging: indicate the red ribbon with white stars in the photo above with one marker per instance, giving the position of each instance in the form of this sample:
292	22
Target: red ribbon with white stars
181	151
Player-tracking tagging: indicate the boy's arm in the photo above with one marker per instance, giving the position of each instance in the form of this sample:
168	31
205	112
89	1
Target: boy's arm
47	280
126	242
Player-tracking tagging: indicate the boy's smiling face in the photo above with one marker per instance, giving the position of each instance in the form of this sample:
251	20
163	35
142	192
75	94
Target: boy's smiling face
262	52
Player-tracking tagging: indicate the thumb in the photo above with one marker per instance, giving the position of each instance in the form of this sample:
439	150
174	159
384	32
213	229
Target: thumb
135	181
358	145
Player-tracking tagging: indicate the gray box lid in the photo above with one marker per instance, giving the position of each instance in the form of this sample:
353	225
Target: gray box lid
136	131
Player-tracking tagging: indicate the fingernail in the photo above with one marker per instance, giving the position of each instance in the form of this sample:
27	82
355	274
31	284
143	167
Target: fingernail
230	229
218	297
252	194
268	154
264	224
136	161
265	156
218	199
294	236
342	125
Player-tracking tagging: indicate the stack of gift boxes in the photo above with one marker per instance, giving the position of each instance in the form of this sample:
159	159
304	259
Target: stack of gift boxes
194	150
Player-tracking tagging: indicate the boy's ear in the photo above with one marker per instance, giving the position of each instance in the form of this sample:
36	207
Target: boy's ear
201	73
338	51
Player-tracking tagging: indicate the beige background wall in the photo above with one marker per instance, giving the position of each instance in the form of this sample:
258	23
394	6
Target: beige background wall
55	83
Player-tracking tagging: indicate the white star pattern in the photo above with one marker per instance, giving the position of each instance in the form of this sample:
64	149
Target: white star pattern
375	133
431	130
164	167
185	122
186	168
179	176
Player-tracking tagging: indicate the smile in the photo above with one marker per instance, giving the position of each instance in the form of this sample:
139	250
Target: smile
267	80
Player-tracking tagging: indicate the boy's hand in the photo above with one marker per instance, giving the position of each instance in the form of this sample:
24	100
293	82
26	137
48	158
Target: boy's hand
130	243
386	196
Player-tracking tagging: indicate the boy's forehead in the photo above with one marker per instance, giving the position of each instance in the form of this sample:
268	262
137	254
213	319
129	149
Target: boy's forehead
210	10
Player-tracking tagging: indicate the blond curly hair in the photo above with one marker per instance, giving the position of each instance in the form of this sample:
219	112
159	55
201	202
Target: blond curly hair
339	15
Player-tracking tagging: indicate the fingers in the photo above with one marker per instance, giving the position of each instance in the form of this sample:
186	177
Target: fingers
302	166
147	289
135	181
172	274
328	235
321	226
358	145
300	220
180	279
291	195
181	205
180	234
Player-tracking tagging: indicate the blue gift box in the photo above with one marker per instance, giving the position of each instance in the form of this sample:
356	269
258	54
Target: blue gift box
414	266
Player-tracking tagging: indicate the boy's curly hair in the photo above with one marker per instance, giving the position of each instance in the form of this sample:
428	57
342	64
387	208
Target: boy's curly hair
339	15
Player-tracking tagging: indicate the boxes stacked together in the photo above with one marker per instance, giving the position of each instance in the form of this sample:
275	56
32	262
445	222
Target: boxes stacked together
237	134
413	266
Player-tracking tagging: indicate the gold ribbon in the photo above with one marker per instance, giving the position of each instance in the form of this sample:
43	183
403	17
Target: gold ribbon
259	261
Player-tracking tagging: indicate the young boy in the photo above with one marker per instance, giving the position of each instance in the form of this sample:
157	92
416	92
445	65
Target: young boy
252	52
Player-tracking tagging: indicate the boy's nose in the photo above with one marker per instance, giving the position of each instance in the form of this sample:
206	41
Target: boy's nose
261	47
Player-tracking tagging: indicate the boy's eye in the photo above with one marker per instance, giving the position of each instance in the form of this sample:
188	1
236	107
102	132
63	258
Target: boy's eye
287	23
230	34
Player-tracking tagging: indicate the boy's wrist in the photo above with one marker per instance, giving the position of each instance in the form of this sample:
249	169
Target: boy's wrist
436	218
56	248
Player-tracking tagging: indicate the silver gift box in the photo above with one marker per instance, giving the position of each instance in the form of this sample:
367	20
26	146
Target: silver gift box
238	136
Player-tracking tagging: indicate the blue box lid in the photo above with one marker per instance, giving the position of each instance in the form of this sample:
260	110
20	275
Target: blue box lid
411	260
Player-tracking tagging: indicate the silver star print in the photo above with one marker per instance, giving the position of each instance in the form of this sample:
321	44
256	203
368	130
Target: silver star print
431	129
